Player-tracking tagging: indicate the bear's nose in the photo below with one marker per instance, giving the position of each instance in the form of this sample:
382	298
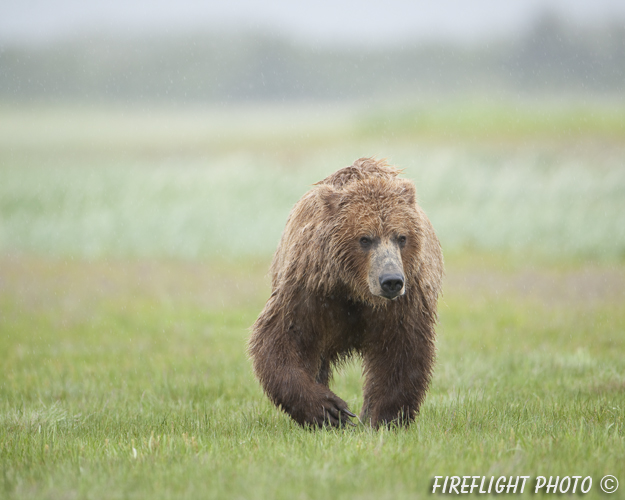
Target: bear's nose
391	284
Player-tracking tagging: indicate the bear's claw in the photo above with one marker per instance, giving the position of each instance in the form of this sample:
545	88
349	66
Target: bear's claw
335	413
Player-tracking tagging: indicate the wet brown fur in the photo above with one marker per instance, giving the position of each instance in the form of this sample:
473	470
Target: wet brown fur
321	310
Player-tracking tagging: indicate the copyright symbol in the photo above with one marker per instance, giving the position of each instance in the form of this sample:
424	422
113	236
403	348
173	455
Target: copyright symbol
609	484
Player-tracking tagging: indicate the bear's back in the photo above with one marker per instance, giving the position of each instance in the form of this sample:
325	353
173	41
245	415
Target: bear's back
361	169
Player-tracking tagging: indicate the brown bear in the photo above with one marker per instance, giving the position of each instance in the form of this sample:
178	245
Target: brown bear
358	271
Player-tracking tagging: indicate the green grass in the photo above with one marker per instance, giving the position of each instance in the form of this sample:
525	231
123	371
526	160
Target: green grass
564	199
130	380
134	247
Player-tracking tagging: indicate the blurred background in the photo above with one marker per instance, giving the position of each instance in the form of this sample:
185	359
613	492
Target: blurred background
188	129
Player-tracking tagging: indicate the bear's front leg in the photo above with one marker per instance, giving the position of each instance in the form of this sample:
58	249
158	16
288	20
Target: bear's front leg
311	404
287	361
397	375
293	388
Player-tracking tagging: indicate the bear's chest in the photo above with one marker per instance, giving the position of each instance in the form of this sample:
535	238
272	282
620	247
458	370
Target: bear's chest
343	323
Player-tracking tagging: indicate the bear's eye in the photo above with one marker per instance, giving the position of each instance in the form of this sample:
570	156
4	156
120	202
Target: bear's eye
401	240
365	242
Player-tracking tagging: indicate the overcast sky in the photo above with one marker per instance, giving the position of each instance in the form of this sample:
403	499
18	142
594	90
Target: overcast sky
319	21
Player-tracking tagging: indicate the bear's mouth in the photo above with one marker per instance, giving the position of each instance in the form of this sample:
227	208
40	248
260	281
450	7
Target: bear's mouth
391	296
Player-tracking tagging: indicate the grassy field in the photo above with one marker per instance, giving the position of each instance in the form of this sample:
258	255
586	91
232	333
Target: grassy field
133	256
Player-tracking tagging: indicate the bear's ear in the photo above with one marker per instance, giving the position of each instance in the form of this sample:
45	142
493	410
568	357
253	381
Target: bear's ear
408	192
330	197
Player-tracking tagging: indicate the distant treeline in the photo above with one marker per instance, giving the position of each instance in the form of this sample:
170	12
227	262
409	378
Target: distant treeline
550	58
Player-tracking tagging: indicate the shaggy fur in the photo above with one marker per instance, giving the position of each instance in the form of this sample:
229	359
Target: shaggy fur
342	240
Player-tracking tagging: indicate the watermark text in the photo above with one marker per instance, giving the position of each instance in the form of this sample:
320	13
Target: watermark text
467	485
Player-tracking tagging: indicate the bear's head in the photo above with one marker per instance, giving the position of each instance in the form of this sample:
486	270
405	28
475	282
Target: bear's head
375	238
374	235
361	233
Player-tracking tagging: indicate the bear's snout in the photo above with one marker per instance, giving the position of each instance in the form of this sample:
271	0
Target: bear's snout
386	273
392	285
